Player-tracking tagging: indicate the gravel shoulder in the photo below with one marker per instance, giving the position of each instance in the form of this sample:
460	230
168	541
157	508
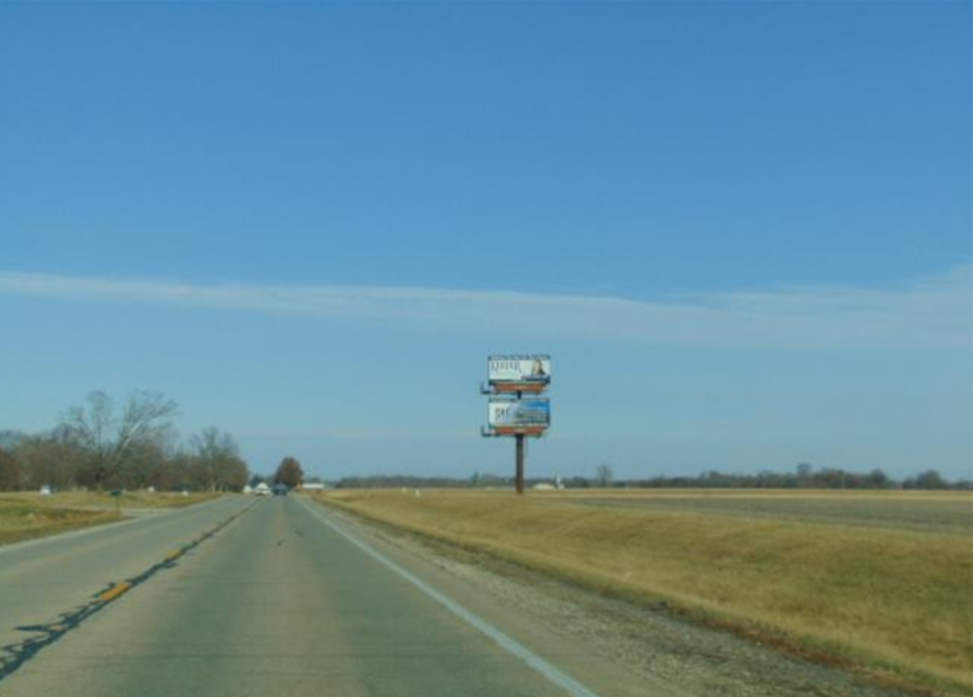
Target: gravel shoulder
648	641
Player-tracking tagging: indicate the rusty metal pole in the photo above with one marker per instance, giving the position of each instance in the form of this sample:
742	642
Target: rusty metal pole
520	463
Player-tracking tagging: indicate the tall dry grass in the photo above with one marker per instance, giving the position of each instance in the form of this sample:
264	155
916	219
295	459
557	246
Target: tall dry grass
892	603
20	520
103	499
26	515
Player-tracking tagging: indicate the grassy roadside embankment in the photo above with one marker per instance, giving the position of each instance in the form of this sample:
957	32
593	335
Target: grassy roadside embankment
26	515
896	605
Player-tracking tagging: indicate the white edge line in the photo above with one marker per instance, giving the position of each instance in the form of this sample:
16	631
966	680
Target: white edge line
547	670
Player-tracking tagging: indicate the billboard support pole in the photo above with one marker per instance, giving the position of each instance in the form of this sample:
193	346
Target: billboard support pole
520	463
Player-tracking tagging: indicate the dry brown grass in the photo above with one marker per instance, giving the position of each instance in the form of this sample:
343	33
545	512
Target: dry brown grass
104	500
893	603
27	515
20	520
926	511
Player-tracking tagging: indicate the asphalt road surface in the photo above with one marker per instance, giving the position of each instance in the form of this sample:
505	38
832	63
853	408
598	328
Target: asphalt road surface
282	597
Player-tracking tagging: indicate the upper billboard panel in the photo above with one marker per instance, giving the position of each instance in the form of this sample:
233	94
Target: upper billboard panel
519	373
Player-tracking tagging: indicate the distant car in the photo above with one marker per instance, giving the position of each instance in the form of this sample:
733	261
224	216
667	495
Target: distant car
261	489
280	490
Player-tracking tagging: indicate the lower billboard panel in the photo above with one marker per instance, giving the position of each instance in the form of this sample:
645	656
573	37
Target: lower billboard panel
511	416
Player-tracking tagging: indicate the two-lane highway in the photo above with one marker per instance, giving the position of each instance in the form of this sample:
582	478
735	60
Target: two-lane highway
43	578
285	600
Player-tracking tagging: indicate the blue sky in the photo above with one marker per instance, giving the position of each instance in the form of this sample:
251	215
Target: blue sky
744	231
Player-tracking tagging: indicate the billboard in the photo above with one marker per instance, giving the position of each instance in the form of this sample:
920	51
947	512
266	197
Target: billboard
532	416
531	373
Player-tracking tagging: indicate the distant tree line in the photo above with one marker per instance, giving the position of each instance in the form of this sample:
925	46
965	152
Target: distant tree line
804	477
478	480
101	447
396	481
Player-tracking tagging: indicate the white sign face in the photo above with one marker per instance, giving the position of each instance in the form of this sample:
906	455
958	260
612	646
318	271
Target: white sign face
519	413
528	370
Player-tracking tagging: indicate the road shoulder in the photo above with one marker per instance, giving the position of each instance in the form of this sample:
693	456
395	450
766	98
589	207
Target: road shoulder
646	646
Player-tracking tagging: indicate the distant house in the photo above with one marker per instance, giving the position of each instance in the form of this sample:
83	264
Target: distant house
313	486
543	486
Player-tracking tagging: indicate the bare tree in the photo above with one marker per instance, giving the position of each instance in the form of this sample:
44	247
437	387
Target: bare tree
108	440
217	457
140	464
604	475
11	473
50	459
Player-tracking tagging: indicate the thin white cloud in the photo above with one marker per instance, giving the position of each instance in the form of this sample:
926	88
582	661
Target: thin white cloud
936	313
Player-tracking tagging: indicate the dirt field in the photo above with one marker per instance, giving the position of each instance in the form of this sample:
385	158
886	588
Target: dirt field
888	596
